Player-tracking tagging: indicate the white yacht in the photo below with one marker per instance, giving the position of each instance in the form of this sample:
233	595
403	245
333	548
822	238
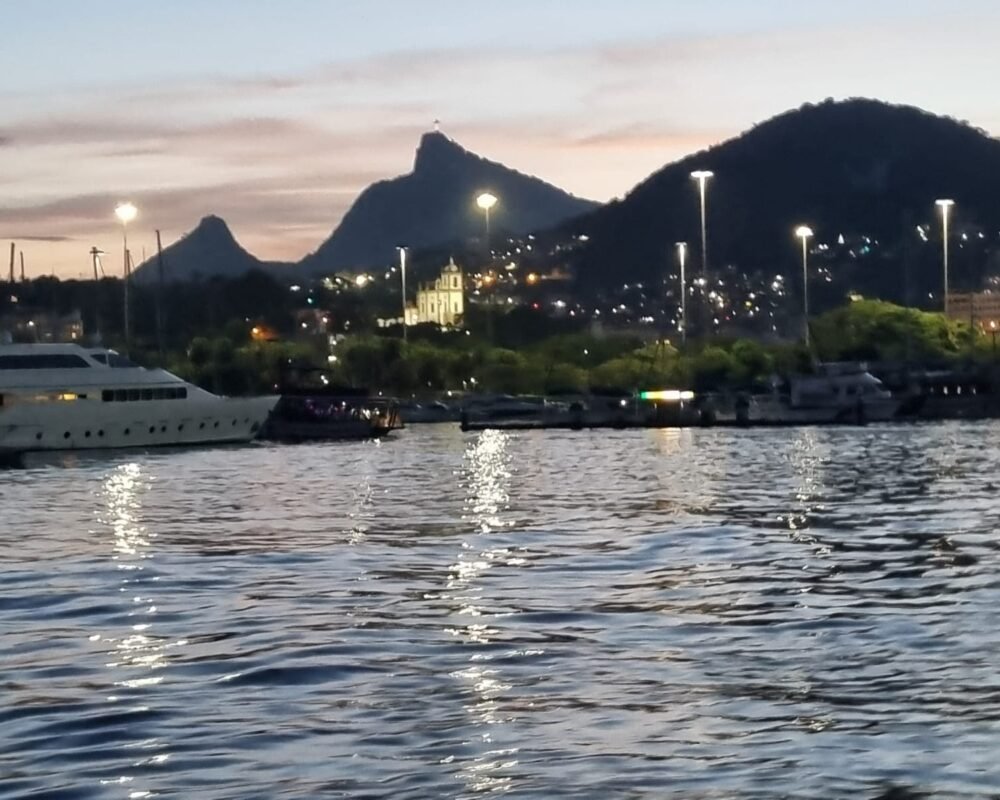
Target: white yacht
68	397
837	392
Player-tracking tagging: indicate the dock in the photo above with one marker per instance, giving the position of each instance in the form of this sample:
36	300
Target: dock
471	426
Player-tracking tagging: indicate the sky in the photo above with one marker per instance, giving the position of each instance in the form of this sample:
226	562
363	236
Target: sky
275	115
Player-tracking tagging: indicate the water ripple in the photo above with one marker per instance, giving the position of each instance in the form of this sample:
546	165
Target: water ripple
677	613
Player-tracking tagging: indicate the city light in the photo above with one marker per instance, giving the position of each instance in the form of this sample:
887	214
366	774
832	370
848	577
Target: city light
126	212
486	201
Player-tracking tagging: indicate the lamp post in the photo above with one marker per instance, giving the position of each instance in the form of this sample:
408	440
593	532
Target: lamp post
486	201
126	212
402	273
682	260
804	232
702	176
993	334
945	206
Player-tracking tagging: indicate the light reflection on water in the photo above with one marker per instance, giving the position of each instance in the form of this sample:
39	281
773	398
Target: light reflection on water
696	613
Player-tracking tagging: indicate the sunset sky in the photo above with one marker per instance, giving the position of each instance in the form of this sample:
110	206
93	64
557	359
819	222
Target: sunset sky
275	115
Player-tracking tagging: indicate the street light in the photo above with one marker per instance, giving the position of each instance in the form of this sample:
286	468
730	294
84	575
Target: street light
126	212
993	333
402	272
804	232
945	206
486	201
702	176
682	258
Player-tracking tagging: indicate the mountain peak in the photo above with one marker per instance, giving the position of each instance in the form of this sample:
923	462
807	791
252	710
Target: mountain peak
214	226
208	249
433	205
435	150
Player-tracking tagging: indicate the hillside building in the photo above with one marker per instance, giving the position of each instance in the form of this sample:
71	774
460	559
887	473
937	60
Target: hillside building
441	302
978	309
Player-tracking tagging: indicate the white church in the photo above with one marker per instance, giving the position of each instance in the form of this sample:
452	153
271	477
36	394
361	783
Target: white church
441	302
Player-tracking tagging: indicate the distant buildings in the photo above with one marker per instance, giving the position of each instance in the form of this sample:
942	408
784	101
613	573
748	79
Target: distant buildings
979	309
441	302
26	325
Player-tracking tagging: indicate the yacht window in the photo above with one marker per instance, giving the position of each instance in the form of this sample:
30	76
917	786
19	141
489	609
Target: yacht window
120	395
147	394
47	361
108	395
119	361
133	395
100	358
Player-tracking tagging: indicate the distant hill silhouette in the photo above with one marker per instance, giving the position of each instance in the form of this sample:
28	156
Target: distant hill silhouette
209	250
855	167
435	203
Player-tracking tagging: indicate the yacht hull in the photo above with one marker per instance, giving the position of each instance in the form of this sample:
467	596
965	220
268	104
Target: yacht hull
769	409
98	426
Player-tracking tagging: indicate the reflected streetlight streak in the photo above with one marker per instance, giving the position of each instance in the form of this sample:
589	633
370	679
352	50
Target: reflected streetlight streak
488	468
139	653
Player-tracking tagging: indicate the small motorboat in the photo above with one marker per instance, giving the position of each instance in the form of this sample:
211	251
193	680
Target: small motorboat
313	408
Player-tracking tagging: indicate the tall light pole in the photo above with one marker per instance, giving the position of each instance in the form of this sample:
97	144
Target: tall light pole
486	201
682	259
402	272
702	176
126	212
945	206
804	232
95	256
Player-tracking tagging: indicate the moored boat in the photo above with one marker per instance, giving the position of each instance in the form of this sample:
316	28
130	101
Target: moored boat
837	392
68	397
326	417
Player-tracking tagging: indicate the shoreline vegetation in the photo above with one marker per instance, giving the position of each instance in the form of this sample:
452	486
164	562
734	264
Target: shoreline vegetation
434	362
240	337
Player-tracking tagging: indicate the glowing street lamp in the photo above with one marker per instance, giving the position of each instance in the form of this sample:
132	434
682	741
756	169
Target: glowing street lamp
702	176
804	232
126	212
945	206
486	201
682	259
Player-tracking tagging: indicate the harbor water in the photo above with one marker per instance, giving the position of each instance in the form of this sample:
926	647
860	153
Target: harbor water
807	613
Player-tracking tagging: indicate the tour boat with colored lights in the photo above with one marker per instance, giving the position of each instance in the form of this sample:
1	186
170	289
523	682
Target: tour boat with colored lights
68	397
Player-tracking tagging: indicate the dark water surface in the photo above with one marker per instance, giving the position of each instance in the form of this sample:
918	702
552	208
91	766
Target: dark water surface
699	613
